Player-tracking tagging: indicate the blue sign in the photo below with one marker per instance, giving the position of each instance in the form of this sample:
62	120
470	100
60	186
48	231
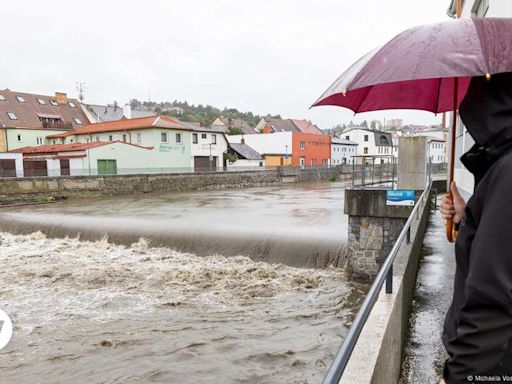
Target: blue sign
400	197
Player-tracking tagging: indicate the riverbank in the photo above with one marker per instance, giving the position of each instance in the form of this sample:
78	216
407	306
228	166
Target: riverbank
15	191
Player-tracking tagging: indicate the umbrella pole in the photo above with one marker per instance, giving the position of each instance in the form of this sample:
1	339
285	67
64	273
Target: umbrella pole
451	233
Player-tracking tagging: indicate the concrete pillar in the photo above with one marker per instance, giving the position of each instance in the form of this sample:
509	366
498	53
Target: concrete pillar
412	162
373	227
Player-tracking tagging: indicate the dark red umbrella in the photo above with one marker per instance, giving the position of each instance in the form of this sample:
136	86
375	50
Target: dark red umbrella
426	68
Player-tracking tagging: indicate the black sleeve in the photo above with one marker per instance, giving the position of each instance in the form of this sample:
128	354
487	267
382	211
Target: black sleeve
485	323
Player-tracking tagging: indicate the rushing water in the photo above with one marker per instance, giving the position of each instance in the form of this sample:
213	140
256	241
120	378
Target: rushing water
96	312
302	225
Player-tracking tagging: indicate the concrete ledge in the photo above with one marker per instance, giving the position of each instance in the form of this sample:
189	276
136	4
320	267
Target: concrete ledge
377	356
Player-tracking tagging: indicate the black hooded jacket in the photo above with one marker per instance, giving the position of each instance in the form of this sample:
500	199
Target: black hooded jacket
478	326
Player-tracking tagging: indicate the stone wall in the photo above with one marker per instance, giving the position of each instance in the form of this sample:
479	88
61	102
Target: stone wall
373	227
44	189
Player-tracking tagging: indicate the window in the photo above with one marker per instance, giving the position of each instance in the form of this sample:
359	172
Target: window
365	150
302	145
39	140
20	99
53	102
347	137
203	135
12	116
194	138
54	142
41	101
19	138
71	104
139	138
214	139
261	163
163	137
365	137
178	137
110	138
124	137
97	138
2	98
77	120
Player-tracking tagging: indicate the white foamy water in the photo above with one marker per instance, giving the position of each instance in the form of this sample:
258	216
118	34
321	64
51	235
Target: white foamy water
101	313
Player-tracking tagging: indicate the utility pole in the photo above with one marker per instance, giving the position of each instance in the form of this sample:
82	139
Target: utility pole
80	87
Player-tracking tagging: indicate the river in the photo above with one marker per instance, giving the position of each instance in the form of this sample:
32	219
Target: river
97	312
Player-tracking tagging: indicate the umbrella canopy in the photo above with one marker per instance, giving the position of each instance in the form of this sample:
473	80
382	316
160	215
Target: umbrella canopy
417	68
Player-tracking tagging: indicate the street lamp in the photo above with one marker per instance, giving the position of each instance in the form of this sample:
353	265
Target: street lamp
211	157
286	154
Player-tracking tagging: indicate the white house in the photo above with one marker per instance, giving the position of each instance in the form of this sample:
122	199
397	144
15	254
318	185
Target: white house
342	151
244	157
276	148
208	146
370	142
437	151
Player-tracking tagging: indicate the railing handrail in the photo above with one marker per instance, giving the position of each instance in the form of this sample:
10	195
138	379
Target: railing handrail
341	359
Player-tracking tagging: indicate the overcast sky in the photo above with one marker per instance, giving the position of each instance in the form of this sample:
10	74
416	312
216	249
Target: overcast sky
262	56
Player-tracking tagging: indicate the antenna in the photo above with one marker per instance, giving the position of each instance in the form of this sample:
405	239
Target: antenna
80	87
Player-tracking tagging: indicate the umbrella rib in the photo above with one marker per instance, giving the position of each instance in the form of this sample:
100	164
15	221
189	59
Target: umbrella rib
356	110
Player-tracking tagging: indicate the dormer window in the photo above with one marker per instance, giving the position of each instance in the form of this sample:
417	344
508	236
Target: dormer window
53	102
41	101
2	98
20	99
12	116
77	120
71	104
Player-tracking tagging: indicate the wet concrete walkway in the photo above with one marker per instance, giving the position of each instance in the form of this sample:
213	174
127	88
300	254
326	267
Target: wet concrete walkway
424	353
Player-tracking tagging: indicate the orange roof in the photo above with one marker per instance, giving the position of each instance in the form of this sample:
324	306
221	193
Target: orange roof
69	147
307	126
126	125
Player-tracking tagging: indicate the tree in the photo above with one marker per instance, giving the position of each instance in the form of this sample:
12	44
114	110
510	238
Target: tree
373	124
364	124
234	131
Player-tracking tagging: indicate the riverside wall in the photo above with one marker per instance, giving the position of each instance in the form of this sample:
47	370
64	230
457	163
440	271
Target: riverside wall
47	189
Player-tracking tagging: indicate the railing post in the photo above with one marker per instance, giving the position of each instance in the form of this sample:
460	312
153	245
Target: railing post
389	280
409	235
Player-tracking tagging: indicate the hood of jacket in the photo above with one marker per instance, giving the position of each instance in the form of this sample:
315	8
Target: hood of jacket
486	111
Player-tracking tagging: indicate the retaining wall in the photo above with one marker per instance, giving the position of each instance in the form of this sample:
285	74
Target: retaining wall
377	356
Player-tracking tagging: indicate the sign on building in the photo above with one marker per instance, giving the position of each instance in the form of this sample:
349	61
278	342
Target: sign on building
400	197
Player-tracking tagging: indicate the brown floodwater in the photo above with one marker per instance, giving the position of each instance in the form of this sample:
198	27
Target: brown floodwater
97	312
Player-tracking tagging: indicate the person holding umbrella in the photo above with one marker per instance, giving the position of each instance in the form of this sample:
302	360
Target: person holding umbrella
463	65
478	326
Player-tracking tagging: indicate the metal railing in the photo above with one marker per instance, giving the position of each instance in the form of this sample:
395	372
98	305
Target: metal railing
373	170
385	275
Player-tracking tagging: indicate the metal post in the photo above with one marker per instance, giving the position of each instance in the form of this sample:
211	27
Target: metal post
409	235
389	280
373	170
363	174
353	171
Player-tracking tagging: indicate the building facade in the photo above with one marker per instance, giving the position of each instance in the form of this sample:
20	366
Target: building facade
464	141
170	140
342	151
371	142
26	119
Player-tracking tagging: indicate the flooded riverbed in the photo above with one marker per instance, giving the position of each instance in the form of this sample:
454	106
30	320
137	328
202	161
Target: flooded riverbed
99	313
96	312
301	225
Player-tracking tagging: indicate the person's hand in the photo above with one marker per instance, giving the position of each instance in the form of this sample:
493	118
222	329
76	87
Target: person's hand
442	381
453	209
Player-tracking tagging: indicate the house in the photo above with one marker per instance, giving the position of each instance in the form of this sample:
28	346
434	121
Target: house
437	151
289	148
371	142
225	123
169	139
342	151
26	118
243	157
93	158
270	124
275	148
208	146
100	113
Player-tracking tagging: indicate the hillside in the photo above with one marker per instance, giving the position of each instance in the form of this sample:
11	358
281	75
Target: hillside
204	114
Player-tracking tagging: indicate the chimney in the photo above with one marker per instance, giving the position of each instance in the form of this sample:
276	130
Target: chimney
266	129
127	111
242	140
61	98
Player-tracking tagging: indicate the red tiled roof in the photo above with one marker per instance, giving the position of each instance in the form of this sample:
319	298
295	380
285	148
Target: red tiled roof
126	125
73	147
